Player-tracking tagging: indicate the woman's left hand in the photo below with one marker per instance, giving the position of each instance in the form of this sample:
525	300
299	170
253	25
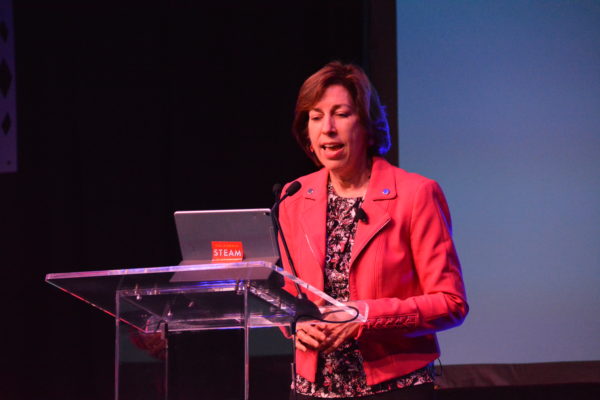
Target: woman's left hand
336	334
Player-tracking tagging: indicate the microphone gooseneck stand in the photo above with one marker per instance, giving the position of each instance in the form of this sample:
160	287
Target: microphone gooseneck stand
304	307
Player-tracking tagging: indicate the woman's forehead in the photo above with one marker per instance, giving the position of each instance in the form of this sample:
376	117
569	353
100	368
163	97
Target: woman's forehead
333	96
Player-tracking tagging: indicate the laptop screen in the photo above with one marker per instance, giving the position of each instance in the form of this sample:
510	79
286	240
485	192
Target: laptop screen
253	228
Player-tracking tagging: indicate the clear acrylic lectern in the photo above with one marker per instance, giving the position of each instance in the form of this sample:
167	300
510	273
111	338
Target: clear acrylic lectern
152	305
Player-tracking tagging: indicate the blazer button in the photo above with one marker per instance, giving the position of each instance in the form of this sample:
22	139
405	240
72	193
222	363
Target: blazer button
385	191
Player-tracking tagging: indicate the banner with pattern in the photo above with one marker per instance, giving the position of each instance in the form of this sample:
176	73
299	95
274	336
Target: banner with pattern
8	107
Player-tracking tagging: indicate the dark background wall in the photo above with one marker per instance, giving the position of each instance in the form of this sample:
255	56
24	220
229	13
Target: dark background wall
129	111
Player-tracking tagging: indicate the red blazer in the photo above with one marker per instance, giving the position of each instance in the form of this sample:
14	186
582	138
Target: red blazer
403	266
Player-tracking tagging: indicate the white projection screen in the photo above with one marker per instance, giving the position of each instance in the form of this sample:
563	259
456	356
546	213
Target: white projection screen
499	101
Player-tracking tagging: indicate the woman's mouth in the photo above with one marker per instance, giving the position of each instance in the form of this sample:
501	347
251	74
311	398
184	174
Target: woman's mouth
334	146
332	151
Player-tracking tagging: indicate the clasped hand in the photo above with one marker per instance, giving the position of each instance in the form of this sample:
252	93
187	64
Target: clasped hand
324	337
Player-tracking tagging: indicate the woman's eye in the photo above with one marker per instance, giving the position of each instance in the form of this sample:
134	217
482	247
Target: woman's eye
315	117
343	115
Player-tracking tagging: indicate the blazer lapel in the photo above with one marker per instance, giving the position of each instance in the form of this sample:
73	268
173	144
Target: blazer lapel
314	216
382	188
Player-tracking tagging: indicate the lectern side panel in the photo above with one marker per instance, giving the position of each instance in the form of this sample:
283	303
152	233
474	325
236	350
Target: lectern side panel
140	360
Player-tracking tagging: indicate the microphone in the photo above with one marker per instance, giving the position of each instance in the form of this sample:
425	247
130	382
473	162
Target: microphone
362	215
359	213
290	191
275	212
304	306
277	191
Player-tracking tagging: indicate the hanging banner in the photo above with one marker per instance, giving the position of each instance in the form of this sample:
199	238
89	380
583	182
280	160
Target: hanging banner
8	106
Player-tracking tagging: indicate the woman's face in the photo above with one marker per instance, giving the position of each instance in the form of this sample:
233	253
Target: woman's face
337	137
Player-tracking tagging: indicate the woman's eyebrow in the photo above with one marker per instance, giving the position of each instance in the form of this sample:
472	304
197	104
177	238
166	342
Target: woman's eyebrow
341	105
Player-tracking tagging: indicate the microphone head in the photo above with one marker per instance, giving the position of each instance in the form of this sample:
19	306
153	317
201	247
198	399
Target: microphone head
293	188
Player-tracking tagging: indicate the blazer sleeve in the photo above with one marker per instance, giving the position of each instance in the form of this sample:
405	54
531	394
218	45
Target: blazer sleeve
442	304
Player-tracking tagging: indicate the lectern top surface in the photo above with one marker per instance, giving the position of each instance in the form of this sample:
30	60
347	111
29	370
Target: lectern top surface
202	297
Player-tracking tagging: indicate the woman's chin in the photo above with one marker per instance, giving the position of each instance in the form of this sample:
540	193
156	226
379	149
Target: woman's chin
334	165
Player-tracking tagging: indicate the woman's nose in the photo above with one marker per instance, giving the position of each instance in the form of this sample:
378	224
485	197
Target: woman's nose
328	126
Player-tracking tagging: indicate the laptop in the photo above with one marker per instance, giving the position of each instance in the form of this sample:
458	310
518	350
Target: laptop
253	228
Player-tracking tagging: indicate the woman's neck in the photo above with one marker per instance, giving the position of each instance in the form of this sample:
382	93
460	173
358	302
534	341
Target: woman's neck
352	185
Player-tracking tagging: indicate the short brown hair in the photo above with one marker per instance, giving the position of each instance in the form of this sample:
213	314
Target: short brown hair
370	111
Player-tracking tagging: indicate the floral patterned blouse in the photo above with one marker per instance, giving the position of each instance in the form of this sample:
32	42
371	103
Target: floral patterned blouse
340	373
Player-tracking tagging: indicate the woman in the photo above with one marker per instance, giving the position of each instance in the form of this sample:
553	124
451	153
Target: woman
372	234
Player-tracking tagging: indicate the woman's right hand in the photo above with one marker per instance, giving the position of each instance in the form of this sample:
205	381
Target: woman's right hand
309	336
